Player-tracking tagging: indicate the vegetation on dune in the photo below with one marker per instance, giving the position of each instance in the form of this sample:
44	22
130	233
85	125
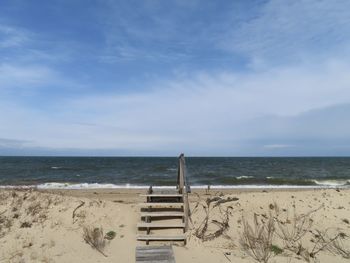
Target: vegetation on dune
280	232
95	238
291	233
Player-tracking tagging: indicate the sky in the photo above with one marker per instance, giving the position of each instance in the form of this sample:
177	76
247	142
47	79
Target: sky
157	78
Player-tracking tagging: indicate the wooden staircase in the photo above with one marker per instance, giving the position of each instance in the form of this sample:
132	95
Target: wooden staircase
166	210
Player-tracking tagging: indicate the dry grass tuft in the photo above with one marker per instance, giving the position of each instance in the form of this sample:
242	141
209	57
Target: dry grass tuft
334	243
95	238
256	240
34	208
5	225
290	232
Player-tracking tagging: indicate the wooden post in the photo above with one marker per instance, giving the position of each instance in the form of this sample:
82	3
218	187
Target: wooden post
180	175
183	188
186	211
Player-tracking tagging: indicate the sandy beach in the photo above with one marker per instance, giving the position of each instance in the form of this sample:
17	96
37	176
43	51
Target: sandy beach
48	226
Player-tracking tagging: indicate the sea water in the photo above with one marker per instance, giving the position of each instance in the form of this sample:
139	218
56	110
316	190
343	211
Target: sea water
140	172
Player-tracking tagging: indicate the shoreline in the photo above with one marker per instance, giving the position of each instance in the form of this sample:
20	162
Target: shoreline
133	195
96	186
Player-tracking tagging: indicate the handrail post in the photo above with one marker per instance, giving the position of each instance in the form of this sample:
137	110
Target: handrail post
183	188
181	172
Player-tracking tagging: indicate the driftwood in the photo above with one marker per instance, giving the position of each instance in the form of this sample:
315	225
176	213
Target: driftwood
74	211
201	231
228	199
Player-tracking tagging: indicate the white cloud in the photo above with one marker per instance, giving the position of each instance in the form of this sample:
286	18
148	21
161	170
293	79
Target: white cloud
209	113
25	76
294	108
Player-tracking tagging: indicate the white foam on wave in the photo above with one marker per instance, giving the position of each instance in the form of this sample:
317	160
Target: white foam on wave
244	177
56	167
86	186
17	186
266	186
332	182
95	186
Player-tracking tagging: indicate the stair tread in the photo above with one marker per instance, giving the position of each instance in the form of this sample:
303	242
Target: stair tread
161	204
162	214
162	195
156	237
160	225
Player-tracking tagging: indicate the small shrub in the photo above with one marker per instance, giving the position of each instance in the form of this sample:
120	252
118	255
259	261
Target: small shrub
34	209
110	235
26	225
276	250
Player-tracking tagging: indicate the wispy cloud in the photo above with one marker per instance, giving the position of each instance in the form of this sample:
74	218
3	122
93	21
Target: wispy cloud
11	143
175	32
11	37
25	76
277	146
292	32
208	113
279	84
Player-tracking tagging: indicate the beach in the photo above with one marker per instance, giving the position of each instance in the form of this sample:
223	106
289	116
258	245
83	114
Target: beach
174	131
48	225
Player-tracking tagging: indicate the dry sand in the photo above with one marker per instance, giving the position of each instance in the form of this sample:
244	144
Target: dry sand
37	226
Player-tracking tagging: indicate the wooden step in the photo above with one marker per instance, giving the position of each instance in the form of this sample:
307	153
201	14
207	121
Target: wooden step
161	238
162	195
162	214
161	205
159	225
152	254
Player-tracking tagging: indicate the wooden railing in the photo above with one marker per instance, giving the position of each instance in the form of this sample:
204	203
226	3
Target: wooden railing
184	187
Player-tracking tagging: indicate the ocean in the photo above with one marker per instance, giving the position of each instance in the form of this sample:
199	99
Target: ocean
141	172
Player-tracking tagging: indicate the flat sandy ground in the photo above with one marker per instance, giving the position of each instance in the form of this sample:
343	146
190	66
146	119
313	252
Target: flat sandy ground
48	226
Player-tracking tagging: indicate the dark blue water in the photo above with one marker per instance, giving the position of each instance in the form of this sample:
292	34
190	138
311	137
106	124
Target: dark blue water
143	171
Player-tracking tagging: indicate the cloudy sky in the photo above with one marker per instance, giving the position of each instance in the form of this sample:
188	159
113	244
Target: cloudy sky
154	77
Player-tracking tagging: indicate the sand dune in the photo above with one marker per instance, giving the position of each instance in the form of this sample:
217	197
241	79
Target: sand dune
37	226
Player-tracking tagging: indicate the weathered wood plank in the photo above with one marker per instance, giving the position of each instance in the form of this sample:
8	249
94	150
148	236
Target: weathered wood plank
162	214
161	238
160	225
162	195
166	205
155	254
164	191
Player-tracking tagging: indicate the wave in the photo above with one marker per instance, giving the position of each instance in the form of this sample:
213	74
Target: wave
311	182
244	177
56	167
338	182
87	186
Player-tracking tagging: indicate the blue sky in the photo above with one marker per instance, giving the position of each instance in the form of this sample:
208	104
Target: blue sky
217	78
